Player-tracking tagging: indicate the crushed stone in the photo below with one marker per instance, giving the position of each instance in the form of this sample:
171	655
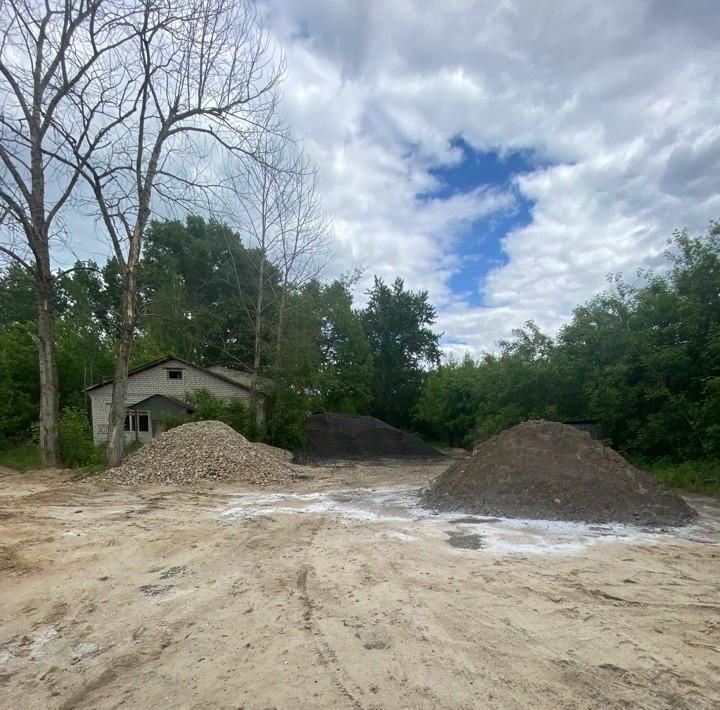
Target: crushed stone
277	452
198	451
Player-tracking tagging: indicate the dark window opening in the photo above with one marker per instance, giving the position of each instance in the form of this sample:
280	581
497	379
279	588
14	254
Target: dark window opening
137	421
174	374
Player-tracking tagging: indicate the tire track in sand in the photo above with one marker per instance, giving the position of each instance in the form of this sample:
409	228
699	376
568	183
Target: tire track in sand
327	656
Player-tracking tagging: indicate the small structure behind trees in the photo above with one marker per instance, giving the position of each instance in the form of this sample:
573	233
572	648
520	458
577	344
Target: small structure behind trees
166	388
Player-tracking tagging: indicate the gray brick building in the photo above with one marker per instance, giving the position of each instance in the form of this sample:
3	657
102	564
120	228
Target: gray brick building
160	388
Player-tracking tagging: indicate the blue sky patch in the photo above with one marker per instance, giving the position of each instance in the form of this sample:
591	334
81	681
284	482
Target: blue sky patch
480	247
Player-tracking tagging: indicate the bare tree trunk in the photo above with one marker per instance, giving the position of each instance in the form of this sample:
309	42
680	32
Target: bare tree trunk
116	438
257	360
49	402
280	325
39	241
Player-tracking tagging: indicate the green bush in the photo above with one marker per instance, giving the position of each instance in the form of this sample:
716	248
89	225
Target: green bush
233	413
286	415
76	442
21	456
701	476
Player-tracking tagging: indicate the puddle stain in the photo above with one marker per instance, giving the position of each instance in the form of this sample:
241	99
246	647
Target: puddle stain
400	508
465	541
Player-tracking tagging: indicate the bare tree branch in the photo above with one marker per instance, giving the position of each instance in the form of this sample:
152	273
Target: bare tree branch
51	53
199	81
16	258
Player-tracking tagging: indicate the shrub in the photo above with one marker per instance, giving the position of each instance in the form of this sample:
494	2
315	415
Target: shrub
207	406
20	456
287	412
76	443
702	476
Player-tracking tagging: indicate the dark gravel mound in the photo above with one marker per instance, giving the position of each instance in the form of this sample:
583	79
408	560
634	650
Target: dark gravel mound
551	471
347	436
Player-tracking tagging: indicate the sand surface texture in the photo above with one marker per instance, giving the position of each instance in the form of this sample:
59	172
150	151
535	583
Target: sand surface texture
338	592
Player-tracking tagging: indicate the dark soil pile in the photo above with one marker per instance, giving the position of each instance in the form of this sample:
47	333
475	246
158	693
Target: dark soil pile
347	436
551	471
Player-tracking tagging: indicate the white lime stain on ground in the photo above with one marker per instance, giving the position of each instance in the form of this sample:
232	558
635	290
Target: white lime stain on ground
84	650
32	644
400	510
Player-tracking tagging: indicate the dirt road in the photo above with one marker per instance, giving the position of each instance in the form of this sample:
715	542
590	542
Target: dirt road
342	597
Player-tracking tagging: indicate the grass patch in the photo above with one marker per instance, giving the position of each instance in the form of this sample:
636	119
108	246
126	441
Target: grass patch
24	456
697	476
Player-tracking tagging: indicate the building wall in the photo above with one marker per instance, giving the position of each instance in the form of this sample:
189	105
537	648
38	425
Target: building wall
159	407
155	381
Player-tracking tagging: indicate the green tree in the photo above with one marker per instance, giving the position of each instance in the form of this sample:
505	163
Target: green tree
398	324
199	290
19	384
346	373
82	346
451	401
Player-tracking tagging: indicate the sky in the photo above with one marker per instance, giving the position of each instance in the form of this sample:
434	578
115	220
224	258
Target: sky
506	156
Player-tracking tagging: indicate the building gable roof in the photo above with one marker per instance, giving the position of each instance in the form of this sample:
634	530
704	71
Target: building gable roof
168	397
262	384
170	358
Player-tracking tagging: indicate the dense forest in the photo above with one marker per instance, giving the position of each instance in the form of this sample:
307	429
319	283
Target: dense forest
199	300
642	358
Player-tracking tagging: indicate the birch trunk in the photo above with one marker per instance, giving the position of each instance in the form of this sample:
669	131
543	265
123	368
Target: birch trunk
280	325
257	359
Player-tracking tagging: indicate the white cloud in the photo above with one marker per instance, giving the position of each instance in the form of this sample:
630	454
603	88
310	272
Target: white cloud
620	97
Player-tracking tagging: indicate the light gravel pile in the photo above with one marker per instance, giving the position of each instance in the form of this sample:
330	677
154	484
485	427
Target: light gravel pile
201	451
278	453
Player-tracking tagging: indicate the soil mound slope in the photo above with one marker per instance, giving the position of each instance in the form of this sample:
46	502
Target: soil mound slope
551	471
199	451
348	436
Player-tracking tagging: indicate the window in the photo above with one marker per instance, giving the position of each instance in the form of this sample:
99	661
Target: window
137	421
143	420
174	374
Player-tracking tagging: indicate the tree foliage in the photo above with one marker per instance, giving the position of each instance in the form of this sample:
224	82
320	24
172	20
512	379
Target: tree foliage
403	347
642	359
197	292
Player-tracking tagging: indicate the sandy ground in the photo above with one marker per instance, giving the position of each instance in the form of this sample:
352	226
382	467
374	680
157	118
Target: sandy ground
341	595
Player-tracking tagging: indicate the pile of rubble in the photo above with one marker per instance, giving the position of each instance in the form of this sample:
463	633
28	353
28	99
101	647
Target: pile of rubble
200	451
551	471
282	454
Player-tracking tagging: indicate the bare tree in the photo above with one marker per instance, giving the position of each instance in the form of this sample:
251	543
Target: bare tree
201	87
49	50
259	192
281	218
303	248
